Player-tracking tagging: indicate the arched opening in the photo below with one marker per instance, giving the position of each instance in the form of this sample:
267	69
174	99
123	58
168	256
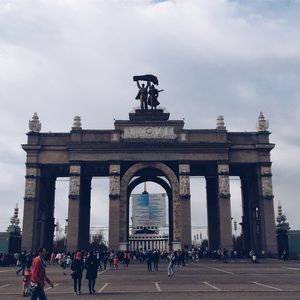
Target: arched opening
148	204
98	231
154	172
236	215
199	213
61	203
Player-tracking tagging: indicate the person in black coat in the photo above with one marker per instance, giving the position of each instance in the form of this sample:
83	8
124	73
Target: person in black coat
77	268
91	266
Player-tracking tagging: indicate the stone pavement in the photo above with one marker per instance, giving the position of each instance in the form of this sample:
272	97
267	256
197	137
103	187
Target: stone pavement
206	279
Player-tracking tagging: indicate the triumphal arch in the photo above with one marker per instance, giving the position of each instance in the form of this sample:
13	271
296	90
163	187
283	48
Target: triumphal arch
149	146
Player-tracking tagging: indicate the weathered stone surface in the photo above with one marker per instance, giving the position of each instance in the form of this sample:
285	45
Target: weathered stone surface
149	145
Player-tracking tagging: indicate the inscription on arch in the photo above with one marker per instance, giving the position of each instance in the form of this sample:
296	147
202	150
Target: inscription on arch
149	132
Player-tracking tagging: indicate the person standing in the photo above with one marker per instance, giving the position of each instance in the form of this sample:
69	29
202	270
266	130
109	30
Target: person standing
91	266
149	258
172	259
77	268
156	255
52	258
38	276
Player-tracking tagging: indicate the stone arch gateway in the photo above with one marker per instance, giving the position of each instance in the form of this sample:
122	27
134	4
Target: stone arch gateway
151	147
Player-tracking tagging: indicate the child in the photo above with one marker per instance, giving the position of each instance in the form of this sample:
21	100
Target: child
26	282
116	262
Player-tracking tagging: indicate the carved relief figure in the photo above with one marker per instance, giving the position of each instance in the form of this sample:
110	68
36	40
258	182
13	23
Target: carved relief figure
114	185
267	188
224	185
30	187
184	185
74	185
166	132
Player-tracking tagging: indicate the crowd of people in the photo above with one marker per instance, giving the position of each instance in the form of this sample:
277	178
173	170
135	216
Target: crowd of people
32	266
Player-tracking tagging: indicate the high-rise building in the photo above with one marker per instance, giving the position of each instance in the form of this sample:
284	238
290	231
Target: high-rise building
148	210
148	218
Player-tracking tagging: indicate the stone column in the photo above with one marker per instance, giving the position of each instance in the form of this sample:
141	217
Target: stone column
30	238
213	220
224	206
250	203
266	210
185	203
85	212
47	196
175	209
74	208
114	207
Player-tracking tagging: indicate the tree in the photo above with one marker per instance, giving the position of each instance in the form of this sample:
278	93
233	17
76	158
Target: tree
97	242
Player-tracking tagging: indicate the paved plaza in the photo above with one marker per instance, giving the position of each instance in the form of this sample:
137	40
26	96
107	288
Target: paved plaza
205	279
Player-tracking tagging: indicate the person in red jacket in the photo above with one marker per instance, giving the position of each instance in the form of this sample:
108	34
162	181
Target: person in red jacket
38	277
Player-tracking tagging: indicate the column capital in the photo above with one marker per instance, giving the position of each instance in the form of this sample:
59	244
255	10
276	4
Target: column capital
265	171
184	168
223	168
114	169
75	169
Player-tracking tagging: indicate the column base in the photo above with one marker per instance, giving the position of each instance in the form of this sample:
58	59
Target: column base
123	246
176	246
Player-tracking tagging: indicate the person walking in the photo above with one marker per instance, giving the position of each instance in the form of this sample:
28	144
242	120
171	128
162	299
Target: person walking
116	262
172	259
77	268
38	276
22	262
26	282
91	266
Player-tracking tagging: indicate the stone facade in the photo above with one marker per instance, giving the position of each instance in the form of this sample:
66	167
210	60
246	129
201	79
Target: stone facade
148	147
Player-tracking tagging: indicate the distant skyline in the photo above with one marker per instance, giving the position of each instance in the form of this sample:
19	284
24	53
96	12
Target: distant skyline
234	58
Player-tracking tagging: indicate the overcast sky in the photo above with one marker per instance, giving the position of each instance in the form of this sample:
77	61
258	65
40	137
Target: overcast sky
63	58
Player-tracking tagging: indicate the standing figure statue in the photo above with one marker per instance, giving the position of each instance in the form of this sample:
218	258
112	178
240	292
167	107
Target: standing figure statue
142	94
147	94
153	95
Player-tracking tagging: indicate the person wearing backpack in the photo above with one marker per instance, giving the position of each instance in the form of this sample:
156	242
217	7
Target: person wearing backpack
172	260
91	266
77	268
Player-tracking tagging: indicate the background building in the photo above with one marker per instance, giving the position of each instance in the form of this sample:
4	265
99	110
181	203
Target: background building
148	209
148	229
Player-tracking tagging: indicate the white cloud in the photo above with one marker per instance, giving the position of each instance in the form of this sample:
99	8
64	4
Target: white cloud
67	58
